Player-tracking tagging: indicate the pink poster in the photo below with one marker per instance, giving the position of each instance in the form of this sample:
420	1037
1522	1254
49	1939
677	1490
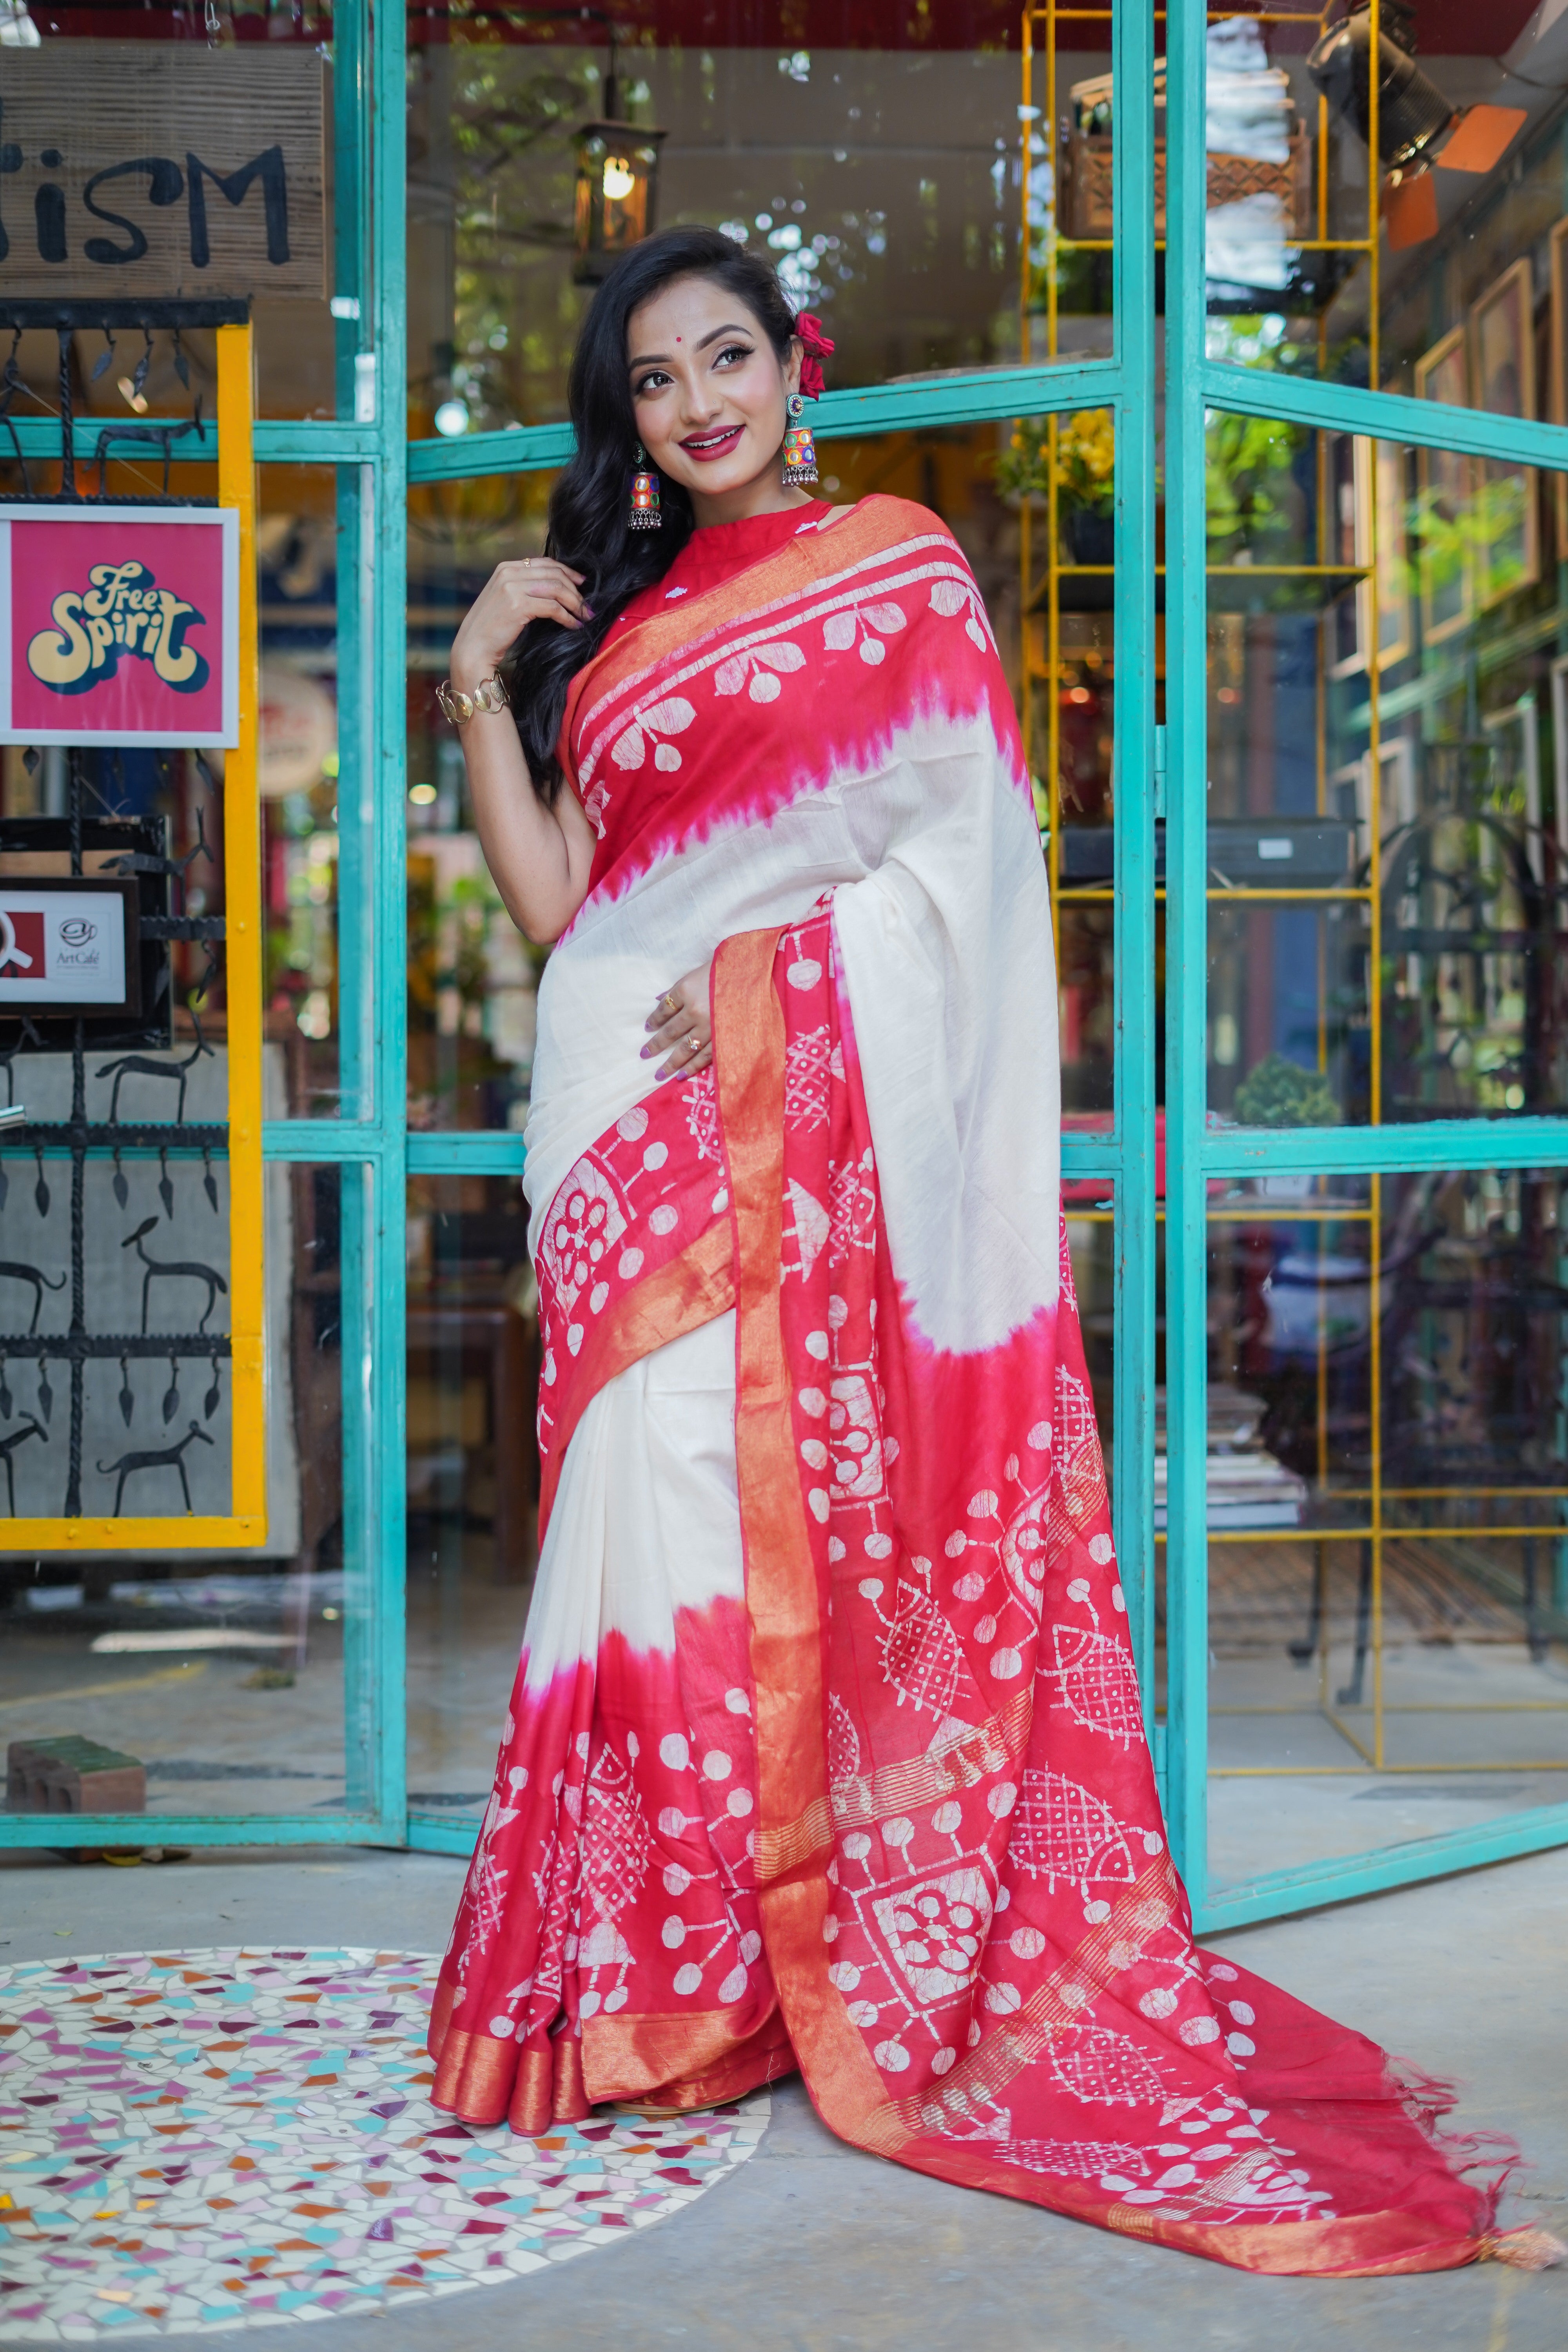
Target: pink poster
119	624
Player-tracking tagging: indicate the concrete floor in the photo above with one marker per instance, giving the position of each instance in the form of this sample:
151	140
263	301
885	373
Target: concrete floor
812	2245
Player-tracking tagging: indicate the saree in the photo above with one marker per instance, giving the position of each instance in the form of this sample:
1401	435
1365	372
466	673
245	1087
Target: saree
826	1749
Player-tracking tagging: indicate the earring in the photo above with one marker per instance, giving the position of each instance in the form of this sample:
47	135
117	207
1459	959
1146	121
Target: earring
644	514
799	448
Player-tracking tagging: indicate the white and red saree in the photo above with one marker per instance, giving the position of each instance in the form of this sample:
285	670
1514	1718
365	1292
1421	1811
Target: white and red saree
825	1749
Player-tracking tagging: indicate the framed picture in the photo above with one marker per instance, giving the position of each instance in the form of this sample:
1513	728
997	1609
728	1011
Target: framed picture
1560	781
1366	531
1502	378
1388	592
1346	545
1514	786
119	624
1557	374
1351	799
1445	567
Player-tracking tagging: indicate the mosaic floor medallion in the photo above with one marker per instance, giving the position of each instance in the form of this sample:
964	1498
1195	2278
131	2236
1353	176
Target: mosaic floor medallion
217	2139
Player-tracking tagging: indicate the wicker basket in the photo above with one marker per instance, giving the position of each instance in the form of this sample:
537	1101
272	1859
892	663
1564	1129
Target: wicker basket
1085	207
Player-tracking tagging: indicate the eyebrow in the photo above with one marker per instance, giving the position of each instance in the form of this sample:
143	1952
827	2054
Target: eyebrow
647	359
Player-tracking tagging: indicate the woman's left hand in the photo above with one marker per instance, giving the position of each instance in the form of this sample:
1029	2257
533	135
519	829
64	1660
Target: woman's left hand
679	1026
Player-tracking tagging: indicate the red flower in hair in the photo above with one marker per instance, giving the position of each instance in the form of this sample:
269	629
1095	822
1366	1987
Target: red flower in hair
818	347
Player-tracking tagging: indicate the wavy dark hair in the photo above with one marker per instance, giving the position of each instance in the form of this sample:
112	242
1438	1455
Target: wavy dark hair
589	504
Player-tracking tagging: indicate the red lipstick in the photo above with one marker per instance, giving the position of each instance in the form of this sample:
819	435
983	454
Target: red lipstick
706	447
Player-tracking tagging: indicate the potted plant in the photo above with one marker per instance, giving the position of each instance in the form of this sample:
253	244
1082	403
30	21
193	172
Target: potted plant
1278	1093
1085	476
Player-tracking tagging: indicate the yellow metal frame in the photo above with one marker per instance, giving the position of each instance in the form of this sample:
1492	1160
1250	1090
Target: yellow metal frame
247	1523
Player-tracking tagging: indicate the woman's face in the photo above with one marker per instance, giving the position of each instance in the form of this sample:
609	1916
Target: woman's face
707	392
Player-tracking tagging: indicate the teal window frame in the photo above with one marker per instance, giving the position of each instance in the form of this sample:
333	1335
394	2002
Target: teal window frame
1196	384
375	1154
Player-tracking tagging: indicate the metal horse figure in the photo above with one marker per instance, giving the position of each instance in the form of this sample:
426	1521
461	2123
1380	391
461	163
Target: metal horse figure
9	1444
173	1268
162	1457
16	1270
143	1066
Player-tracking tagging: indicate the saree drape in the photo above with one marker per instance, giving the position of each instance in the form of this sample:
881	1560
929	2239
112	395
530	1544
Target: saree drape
825	1749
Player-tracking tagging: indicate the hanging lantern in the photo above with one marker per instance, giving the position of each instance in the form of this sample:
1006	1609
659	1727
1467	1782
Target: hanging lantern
617	183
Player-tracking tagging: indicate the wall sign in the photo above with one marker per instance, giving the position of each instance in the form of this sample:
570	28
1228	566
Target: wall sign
69	946
146	167
119	624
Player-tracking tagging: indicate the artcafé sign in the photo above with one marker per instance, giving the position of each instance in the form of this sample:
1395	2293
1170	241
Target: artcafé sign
69	946
148	167
120	625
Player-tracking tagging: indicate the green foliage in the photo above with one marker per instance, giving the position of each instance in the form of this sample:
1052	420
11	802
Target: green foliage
1251	496
1277	1092
1085	460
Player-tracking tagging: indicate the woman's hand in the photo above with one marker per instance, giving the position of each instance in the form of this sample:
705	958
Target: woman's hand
681	1026
531	588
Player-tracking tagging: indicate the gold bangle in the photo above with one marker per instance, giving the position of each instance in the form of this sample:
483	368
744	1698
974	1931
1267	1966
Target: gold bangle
459	708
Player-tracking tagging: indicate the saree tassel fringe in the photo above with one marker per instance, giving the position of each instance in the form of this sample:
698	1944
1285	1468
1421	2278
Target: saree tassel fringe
1525	2249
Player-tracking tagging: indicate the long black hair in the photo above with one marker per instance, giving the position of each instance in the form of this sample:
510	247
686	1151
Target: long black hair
589	504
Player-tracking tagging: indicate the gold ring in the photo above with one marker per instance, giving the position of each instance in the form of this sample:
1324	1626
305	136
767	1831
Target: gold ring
694	1042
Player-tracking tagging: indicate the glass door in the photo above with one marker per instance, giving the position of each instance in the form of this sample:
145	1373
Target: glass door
1368	819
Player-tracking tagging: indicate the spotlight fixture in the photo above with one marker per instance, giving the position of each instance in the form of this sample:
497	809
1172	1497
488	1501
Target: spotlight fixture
1417	127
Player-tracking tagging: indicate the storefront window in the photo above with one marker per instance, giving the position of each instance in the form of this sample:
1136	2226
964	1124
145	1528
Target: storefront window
1387	1481
1386	783
220	1679
472	1477
886	181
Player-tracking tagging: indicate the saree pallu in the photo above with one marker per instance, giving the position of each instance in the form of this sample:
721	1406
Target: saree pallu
827	1749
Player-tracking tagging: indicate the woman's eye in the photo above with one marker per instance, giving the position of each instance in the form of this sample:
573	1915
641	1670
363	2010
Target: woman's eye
734	351
654	382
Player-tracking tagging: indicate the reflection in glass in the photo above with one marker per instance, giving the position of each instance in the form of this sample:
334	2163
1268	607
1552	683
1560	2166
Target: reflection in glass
1352	237
1388	793
300	541
472	1476
1388	1505
221	1675
885	186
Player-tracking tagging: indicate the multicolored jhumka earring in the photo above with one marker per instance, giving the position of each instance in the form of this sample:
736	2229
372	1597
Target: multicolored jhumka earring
645	513
799	447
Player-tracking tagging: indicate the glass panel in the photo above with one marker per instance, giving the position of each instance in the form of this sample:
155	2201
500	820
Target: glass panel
245	132
887	185
473	1476
472	975
307	538
1379	611
1406	243
219	1679
1387	1510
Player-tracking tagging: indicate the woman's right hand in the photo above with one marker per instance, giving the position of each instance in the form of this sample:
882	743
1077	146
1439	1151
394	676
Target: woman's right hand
531	588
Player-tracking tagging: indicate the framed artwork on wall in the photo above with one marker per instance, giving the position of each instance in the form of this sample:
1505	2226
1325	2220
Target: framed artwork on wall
1557	372
1444	485
1366	531
1502	378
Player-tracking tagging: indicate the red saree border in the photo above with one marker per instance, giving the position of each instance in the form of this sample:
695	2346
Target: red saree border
690	2062
781	1598
692	1290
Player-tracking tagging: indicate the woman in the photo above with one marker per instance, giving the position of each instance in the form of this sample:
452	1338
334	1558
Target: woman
825	1749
